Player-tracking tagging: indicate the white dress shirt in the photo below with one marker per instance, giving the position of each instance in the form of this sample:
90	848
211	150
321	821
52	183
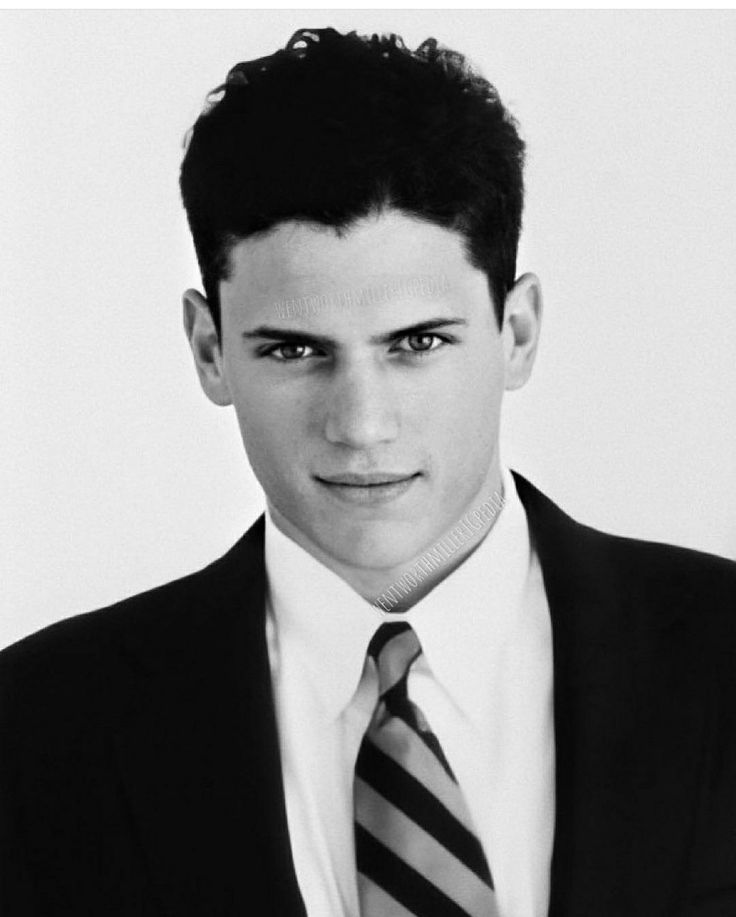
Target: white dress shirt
484	683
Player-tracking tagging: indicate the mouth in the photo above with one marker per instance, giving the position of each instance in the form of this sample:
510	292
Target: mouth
377	487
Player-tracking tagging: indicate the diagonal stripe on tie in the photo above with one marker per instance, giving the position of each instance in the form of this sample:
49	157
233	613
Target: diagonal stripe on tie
401	881
397	740
416	847
406	794
378	901
394	703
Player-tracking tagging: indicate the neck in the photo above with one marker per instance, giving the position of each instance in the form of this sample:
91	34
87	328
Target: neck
398	588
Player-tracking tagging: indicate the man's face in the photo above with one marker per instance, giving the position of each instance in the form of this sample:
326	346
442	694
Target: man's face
372	427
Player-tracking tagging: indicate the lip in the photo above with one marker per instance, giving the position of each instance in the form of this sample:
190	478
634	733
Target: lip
368	489
366	480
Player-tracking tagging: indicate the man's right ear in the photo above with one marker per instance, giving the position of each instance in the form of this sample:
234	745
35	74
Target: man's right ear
205	343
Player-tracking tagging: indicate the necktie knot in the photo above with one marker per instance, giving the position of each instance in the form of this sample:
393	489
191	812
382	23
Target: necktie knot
394	647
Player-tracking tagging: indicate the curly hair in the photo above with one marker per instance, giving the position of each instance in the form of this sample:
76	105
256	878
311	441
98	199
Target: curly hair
336	127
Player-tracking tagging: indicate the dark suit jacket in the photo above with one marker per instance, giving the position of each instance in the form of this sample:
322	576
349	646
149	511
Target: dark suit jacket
140	769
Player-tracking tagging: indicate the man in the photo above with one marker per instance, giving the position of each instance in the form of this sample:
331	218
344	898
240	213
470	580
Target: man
415	686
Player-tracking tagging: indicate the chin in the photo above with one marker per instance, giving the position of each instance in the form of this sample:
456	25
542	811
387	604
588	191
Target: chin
381	550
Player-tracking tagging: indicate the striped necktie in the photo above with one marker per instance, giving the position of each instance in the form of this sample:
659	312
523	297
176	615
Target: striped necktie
416	849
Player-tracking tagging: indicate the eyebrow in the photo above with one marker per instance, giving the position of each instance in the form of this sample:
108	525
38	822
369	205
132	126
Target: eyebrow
289	335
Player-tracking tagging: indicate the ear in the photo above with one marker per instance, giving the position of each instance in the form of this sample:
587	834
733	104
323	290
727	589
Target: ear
520	331
205	343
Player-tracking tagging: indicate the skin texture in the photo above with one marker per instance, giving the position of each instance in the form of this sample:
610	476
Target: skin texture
370	395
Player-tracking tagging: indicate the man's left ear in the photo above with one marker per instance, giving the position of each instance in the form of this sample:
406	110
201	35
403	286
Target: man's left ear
522	318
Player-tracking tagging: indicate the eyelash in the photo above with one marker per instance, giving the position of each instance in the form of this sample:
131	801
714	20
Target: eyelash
445	339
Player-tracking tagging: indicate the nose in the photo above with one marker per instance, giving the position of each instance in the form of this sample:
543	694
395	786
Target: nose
362	409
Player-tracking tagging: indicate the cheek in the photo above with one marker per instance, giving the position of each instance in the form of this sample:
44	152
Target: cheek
468	425
469	398
274	434
261	426
262	409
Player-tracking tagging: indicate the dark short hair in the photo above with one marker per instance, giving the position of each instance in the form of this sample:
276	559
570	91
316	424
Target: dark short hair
336	127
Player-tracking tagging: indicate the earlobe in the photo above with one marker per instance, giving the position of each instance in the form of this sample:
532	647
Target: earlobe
522	322
204	342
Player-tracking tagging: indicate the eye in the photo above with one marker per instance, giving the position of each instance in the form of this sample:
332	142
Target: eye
421	344
288	352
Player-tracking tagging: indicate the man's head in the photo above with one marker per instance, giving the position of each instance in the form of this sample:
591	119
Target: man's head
356	209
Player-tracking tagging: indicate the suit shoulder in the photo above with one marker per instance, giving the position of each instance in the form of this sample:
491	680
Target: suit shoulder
92	627
654	561
668	582
647	585
621	560
83	639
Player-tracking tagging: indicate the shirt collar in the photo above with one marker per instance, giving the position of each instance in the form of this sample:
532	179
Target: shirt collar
466	619
324	626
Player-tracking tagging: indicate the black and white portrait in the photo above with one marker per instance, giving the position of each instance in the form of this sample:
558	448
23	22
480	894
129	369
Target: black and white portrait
369	466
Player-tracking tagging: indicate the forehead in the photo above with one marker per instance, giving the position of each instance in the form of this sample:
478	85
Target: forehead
305	258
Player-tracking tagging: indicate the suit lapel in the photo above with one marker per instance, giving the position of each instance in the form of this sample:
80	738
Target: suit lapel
625	782
198	748
594	735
